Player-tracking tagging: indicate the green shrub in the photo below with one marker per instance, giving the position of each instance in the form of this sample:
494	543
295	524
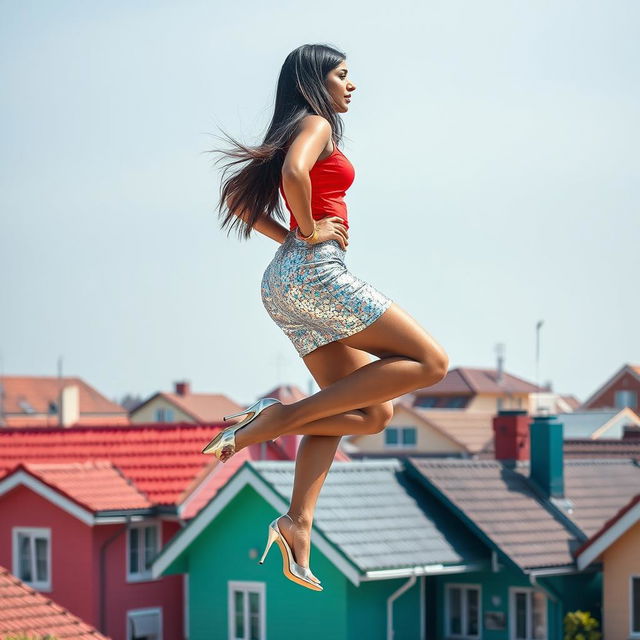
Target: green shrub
579	625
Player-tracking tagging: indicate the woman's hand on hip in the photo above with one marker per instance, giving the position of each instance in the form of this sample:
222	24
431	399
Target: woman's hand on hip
332	228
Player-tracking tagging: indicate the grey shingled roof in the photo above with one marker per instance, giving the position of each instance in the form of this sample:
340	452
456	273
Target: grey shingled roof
379	518
504	507
599	489
529	529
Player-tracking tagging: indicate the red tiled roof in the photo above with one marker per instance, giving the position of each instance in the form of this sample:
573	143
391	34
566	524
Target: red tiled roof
96	485
25	610
469	381
163	461
36	392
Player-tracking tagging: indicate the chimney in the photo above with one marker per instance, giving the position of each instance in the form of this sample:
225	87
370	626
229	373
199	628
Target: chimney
511	435
69	405
183	388
547	456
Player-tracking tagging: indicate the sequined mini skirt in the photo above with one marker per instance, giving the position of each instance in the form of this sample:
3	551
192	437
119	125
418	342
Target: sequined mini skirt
312	296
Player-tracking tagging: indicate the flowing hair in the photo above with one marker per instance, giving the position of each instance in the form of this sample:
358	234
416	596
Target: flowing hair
253	190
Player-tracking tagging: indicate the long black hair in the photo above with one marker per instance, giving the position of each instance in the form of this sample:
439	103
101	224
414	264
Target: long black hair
254	189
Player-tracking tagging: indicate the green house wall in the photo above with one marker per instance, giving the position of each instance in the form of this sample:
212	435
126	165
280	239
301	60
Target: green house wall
580	591
221	553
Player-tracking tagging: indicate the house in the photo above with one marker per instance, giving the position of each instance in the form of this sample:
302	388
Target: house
482	390
434	432
619	391
615	545
376	544
52	401
410	547
83	511
183	406
598	423
26	611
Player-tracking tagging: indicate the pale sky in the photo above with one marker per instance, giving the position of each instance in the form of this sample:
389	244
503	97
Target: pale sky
496	150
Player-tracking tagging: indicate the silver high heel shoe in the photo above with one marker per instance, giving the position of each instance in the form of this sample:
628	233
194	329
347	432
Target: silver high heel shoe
291	569
224	443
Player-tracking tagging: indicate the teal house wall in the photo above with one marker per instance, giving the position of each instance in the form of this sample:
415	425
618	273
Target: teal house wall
572	592
223	553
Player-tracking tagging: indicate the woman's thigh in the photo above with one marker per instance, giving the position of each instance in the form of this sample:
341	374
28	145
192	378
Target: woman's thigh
396	333
335	360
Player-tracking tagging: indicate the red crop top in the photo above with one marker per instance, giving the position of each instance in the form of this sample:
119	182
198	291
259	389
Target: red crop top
330	179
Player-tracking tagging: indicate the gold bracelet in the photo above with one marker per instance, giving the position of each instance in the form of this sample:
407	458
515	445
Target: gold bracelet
311	237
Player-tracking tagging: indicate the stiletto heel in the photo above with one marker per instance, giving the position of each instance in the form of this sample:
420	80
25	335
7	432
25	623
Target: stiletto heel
291	569
273	534
223	444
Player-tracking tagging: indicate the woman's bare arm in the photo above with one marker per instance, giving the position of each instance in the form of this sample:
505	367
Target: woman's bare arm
268	227
303	153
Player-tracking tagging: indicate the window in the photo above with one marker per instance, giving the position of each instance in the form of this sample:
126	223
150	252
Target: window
528	615
462	610
32	556
626	398
400	437
164	414
143	544
144	624
634	609
246	611
426	402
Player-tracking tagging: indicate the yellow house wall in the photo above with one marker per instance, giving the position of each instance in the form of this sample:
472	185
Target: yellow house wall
489	403
428	440
148	412
621	560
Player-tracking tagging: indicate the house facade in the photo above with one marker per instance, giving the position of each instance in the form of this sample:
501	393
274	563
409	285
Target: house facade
86	552
621	390
616	547
410	547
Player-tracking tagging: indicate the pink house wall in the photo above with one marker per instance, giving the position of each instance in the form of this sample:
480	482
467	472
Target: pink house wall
75	566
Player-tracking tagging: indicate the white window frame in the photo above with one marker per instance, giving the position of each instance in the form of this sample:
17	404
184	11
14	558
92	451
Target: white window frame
142	576
146	611
632	633
447	618
246	587
400	444
512	611
32	532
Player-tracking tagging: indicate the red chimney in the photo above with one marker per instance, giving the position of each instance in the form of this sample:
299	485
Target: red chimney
183	388
511	435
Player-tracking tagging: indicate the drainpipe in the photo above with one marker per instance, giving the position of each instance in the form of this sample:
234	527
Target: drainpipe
103	576
552	594
396	594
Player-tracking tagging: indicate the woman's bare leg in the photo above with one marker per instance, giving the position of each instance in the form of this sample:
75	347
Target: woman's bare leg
409	359
316	453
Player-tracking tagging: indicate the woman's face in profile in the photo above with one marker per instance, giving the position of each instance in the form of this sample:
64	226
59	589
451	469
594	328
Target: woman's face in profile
340	87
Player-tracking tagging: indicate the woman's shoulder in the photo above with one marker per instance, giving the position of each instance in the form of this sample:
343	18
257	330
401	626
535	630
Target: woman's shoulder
313	121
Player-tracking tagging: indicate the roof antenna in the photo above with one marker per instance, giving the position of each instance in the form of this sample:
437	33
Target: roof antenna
537	403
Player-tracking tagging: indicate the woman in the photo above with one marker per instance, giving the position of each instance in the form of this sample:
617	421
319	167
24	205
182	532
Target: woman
335	320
